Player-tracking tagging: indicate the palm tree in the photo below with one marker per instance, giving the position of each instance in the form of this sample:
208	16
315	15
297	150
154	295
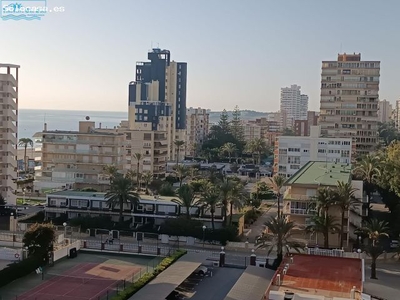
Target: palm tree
324	224
325	198
138	157
181	172
193	173
25	142
375	229
229	148
258	146
225	188
345	200
121	192
111	171
279	237
147	177
210	198
178	144
186	198
278	181
237	198
368	170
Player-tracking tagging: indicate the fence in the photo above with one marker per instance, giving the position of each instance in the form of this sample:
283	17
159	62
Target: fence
64	251
10	254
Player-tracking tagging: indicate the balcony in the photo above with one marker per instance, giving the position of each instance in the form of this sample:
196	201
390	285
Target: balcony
10	160
288	196
9	101
164	154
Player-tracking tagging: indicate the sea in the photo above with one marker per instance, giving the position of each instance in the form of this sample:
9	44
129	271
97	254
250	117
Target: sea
31	121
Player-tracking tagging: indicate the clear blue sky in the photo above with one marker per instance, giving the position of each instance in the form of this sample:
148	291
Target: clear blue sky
238	52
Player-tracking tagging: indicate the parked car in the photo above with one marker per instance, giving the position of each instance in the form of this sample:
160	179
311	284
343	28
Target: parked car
394	244
202	270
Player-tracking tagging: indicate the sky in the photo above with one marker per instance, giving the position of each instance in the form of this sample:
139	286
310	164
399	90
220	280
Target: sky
238	52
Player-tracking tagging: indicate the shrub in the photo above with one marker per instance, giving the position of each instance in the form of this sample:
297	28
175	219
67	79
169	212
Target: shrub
147	277
19	269
167	190
251	216
87	222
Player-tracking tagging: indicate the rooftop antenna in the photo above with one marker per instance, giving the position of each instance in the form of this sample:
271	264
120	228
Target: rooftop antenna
340	47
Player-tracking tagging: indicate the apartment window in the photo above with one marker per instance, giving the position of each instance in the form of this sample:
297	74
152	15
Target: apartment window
347	143
140	207
294	149
294	167
145	118
305	150
146	111
140	110
321	151
282	151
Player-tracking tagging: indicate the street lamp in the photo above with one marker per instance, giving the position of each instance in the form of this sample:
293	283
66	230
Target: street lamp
204	234
65	230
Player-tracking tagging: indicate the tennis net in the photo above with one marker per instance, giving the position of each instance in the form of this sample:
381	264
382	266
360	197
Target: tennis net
98	281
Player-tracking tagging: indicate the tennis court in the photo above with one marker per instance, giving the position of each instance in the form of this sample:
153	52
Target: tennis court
84	281
90	277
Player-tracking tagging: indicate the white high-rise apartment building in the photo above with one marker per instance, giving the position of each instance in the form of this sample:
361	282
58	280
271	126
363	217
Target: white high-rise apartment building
397	115
294	104
293	152
197	124
8	131
349	100
385	111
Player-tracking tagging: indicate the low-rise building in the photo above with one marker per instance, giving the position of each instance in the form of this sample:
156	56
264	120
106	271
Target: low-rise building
77	159
293	152
150	210
301	189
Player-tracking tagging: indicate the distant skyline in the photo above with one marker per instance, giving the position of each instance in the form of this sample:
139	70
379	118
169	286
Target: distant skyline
238	52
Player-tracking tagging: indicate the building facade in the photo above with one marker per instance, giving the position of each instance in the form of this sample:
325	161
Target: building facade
301	128
157	99
303	187
291	153
294	104
349	100
8	131
385	111
150	210
197	125
77	159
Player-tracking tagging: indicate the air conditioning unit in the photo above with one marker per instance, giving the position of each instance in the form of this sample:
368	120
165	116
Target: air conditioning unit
215	264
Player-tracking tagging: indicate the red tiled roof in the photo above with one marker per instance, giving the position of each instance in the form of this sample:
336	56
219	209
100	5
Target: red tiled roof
335	274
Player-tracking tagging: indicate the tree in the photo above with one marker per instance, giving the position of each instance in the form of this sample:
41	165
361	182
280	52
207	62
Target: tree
288	132
324	224
237	198
257	146
236	125
138	156
193	173
375	229
147	177
210	198
224	122
345	199
186	198
278	181
368	171
25	142
111	171
388	132
225	187
121	192
178	144
39	239
229	148
325	198
167	189
181	172
279	237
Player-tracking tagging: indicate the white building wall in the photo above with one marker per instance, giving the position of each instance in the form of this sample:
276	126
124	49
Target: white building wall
294	104
300	150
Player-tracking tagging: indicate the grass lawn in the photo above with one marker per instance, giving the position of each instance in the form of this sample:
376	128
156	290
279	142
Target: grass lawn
21	201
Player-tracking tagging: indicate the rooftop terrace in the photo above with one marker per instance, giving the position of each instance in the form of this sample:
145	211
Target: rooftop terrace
321	173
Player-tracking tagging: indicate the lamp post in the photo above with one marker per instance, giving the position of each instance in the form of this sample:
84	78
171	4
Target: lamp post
204	234
65	230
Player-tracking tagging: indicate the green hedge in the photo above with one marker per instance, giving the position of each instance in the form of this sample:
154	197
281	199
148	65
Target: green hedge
18	270
147	277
